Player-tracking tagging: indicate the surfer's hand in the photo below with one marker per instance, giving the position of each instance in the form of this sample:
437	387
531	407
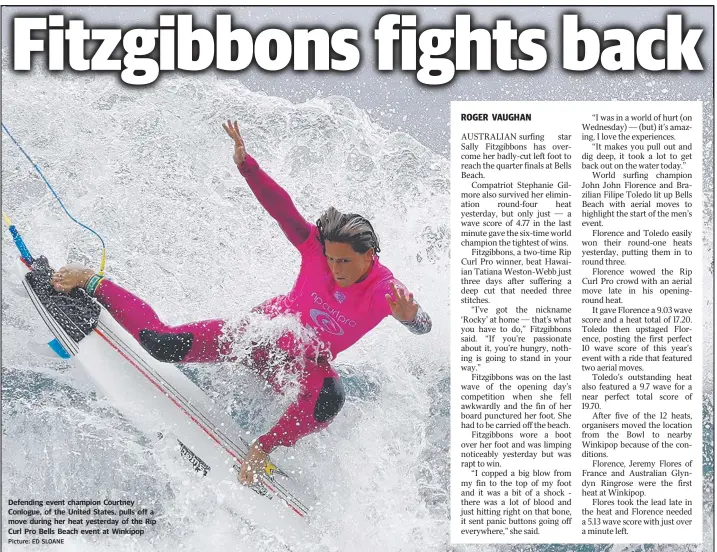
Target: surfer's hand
402	305
68	278
232	129
253	465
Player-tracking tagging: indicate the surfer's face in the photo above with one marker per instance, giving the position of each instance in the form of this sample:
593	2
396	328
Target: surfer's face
346	265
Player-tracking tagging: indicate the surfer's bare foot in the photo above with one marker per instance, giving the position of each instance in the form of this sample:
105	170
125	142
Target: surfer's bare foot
253	465
68	278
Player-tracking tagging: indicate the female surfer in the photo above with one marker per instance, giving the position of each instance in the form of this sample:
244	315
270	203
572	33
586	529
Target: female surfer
341	293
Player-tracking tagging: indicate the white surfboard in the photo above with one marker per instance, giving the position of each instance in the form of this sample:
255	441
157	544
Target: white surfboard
161	401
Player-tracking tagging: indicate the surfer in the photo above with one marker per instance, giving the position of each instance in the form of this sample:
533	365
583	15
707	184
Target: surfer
341	293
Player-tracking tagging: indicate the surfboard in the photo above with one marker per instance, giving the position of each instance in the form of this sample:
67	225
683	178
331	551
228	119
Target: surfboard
156	396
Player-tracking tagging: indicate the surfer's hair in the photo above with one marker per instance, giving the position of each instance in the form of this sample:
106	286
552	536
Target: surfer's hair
355	230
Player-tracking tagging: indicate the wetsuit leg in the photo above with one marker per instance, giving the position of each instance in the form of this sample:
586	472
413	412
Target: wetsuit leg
194	342
320	399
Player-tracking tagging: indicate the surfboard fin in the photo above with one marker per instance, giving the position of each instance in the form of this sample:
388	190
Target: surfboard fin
50	350
59	349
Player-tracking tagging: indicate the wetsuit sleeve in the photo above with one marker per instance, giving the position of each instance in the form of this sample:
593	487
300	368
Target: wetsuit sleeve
421	324
276	201
311	250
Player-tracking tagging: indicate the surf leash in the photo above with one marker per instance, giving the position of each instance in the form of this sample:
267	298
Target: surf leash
19	243
18	240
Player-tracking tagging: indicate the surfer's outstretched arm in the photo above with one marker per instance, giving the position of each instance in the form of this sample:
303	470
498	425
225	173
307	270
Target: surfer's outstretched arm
407	311
272	197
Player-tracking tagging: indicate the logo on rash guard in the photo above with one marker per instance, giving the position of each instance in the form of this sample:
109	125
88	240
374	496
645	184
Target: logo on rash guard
325	322
329	318
340	297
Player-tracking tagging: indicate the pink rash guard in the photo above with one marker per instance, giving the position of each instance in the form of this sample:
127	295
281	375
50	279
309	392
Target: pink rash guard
339	317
